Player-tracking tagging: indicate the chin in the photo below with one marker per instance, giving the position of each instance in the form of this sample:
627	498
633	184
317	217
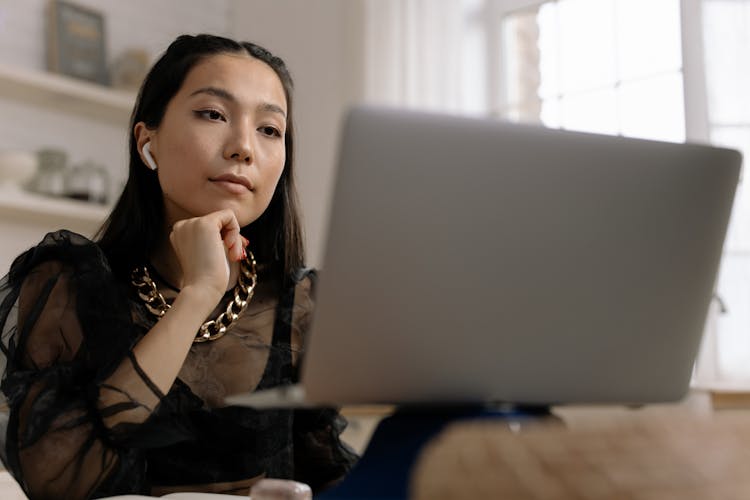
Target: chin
243	214
245	219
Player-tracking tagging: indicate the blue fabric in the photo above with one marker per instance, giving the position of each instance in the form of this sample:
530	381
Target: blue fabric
384	469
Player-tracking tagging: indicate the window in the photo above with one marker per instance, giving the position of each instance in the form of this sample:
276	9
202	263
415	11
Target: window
616	67
606	66
727	43
659	69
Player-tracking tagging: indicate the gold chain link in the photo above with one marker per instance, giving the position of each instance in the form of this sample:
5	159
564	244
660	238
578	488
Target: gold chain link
212	329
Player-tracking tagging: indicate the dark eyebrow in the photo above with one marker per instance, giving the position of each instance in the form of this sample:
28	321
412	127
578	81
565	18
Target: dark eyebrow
273	108
216	92
223	94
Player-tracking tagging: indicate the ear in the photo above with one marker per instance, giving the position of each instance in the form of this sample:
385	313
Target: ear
143	135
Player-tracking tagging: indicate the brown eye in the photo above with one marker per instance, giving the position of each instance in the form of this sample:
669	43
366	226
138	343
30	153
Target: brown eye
210	114
270	131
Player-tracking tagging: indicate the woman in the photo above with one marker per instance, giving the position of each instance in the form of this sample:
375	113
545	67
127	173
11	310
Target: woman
120	351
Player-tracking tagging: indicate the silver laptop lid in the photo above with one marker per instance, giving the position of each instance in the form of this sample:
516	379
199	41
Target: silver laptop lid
475	260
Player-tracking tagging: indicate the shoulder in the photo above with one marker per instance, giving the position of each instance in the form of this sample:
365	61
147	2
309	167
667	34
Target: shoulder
64	297
305	278
303	273
303	287
67	258
301	297
63	238
59	250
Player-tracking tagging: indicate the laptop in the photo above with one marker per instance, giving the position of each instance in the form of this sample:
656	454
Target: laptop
470	260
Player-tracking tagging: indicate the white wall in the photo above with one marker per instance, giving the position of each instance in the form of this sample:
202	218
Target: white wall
150	25
320	41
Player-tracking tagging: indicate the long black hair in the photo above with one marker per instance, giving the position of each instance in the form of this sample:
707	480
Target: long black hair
134	228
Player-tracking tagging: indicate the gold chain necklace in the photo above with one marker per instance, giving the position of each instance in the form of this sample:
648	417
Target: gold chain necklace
212	329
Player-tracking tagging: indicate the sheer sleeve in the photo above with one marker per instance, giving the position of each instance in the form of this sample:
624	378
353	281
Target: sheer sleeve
321	458
75	392
86	421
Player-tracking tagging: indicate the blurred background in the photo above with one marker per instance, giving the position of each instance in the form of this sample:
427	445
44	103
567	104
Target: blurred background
674	70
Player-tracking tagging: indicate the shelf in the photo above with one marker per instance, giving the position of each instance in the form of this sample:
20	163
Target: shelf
67	94
16	202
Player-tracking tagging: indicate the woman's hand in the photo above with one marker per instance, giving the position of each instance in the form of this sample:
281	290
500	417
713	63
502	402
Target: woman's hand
204	245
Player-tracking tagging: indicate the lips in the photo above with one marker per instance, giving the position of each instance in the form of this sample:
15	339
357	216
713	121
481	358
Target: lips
233	179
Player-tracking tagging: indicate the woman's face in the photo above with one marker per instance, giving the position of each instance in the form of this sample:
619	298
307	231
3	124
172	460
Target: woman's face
221	141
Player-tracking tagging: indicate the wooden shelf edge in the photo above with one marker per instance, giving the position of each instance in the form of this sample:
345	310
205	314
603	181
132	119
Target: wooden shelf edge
66	93
18	201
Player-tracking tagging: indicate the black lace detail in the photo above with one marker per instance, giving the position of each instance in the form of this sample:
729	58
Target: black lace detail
68	325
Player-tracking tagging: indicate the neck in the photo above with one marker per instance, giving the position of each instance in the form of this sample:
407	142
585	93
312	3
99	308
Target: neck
165	261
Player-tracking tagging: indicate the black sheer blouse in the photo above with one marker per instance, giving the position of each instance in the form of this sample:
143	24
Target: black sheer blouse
68	329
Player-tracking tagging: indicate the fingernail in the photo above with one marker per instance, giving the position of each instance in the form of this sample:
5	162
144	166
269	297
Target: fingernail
245	241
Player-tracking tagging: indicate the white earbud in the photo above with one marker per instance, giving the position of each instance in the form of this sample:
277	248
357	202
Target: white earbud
147	154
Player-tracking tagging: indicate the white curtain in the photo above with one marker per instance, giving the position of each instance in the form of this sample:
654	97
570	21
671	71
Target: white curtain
724	362
413	53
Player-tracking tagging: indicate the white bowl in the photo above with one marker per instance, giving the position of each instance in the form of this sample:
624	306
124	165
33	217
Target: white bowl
17	167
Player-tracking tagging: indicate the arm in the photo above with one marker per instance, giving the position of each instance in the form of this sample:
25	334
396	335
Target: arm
57	443
77	387
200	247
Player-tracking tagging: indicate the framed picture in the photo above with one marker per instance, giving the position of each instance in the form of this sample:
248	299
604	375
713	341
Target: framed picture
75	42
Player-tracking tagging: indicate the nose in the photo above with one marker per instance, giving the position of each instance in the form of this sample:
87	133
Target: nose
239	147
244	156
